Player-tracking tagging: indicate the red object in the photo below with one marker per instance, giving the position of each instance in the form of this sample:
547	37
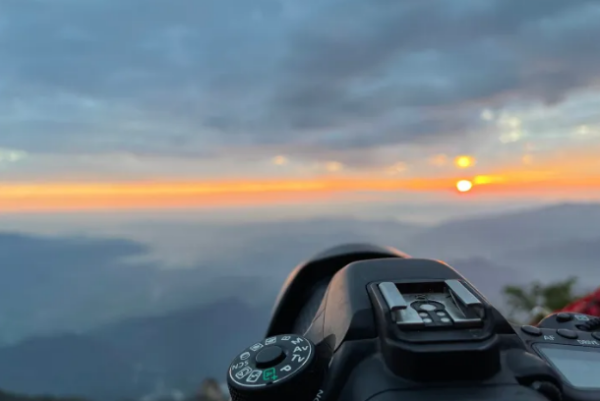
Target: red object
588	305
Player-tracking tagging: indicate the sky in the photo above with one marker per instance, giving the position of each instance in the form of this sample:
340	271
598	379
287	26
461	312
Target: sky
328	105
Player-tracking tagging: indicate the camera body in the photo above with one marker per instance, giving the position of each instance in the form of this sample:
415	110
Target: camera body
361	322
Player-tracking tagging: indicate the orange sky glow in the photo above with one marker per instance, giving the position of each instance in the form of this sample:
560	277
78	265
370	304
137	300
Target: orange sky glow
572	175
48	197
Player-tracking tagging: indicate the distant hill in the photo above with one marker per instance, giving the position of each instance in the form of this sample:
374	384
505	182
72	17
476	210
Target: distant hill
74	283
491	276
493	235
266	248
44	280
189	344
65	365
77	283
15	397
555	261
135	357
62	284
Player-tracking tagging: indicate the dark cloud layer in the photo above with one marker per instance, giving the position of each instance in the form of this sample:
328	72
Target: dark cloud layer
191	76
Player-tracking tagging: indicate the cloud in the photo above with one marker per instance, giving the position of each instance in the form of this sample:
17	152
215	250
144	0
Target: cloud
430	56
199	78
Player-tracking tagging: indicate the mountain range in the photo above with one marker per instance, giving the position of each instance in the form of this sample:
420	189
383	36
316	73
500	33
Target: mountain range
50	284
492	236
103	318
136	357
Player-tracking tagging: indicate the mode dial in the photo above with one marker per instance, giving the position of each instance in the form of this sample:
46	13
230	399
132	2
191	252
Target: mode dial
279	368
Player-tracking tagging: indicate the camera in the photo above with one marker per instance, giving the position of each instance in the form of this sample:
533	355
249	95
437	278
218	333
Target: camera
368	323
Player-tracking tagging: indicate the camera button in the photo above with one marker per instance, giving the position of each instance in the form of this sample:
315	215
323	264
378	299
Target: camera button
270	356
564	317
566	333
531	330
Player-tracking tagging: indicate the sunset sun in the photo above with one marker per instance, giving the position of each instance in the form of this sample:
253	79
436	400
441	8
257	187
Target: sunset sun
464	185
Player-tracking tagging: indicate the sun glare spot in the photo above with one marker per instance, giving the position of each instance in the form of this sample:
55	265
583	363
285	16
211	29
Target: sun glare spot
482	179
333	167
280	160
464	161
464	185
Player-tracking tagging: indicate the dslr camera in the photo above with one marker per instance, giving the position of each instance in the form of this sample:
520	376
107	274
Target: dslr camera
368	323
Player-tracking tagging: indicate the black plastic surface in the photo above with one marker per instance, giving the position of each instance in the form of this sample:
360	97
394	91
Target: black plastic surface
592	325
564	317
370	379
425	355
346	321
528	367
308	278
334	301
550	390
347	357
531	330
578	322
269	357
472	393
566	333
550	336
348	312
